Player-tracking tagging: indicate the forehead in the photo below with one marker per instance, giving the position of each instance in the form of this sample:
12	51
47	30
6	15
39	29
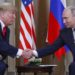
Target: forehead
10	11
67	13
8	8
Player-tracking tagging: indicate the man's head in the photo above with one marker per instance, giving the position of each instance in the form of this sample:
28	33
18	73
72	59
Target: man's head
7	13
69	17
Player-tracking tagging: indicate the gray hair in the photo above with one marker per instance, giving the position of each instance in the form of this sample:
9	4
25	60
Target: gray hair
72	8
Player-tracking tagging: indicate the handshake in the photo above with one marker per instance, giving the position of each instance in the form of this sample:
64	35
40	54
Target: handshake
28	53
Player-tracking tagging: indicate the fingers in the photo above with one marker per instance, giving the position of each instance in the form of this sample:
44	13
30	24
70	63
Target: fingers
27	54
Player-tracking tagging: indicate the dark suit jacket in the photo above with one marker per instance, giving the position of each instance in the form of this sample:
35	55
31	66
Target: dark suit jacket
65	37
5	48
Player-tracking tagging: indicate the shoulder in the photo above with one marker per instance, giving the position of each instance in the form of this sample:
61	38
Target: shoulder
8	29
64	30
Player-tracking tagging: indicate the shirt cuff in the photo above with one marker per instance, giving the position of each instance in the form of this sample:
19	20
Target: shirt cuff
19	53
35	53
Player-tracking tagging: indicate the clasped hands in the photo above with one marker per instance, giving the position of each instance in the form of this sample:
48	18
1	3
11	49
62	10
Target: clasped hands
27	53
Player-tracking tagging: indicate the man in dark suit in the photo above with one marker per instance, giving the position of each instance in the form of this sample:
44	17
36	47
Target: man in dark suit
66	37
7	17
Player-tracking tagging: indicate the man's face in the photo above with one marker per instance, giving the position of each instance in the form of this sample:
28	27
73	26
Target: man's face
68	18
9	17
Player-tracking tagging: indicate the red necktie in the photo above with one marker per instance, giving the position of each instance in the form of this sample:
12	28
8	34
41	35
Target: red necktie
4	31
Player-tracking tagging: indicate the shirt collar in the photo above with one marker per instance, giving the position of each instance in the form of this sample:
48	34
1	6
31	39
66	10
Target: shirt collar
2	24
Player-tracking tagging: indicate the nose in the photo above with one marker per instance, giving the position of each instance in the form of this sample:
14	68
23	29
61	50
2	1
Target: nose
64	21
14	15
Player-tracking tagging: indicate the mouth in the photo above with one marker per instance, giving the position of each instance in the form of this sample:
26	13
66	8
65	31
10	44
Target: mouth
66	25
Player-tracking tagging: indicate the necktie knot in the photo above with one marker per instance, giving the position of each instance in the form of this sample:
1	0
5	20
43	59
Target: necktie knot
4	31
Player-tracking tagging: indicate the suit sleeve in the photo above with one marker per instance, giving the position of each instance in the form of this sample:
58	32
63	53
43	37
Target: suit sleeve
7	49
50	48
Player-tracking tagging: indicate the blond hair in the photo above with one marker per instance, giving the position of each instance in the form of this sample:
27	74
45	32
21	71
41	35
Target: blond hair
7	6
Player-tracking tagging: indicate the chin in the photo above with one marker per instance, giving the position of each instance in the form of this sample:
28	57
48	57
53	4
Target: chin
11	23
68	27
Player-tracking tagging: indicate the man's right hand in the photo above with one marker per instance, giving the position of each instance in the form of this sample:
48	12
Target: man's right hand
27	53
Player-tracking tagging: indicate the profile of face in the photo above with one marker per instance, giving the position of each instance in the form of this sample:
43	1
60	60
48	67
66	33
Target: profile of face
68	18
9	17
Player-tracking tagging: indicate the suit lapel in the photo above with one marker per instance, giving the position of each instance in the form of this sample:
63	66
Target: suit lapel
7	36
8	32
67	35
0	32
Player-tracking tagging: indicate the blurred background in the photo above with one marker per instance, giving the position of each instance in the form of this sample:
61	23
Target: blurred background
41	15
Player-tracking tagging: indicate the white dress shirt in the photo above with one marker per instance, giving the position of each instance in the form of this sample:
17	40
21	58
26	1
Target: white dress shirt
35	53
2	25
19	53
73	34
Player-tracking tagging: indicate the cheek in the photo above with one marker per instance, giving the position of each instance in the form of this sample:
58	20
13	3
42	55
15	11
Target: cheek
69	21
10	18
